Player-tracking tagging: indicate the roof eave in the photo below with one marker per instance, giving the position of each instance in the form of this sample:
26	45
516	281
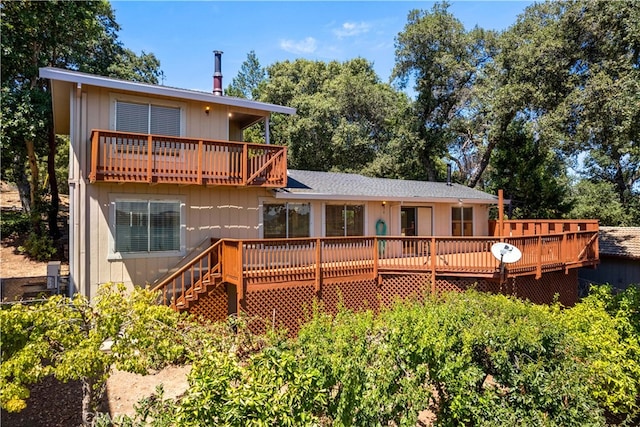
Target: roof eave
285	195
150	89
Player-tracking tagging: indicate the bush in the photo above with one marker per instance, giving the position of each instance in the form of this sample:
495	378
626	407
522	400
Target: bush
606	328
38	247
14	222
470	358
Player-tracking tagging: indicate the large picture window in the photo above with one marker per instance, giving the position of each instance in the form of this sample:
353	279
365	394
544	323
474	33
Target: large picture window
461	221
147	118
344	220
147	226
286	220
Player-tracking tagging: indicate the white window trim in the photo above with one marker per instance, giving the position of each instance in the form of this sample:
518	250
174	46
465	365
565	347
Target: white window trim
266	201
112	255
115	97
365	215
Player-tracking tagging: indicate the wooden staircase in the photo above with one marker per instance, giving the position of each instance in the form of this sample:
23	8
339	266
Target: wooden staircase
196	278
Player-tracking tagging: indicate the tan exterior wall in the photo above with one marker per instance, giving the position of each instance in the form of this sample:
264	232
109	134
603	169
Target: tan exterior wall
209	213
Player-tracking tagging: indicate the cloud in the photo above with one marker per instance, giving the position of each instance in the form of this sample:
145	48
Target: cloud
308	45
349	29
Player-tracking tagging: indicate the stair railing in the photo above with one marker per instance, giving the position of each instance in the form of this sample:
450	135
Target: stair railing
176	286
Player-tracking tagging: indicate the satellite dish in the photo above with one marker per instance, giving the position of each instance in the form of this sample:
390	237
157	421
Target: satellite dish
506	253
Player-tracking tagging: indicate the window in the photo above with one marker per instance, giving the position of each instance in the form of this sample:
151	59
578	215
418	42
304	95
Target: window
286	220
147	227
344	220
461	221
147	118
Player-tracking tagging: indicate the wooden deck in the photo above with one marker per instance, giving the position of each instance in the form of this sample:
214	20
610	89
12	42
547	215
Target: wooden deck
265	264
129	157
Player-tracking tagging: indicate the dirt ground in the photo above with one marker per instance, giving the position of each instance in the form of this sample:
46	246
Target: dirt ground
56	404
12	262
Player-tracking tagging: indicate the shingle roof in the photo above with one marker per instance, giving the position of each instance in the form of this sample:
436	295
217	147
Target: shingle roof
342	186
620	241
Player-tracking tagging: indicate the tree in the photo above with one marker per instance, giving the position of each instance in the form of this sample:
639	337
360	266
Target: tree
67	337
598	200
39	34
443	61
249	78
576	65
531	174
345	116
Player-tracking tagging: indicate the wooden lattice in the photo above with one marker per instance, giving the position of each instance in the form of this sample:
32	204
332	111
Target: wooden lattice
545	289
359	295
287	307
404	286
212	305
290	304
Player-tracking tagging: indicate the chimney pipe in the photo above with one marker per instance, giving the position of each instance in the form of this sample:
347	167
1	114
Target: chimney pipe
217	75
448	173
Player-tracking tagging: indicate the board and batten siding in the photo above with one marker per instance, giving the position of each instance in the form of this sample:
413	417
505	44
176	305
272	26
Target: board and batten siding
217	212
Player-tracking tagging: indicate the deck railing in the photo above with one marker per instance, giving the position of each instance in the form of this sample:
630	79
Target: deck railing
263	262
534	227
130	157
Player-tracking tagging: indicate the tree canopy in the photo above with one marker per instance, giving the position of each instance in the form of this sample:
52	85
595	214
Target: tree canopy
38	34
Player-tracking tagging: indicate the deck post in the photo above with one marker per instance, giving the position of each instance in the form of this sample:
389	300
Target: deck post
500	214
200	156
376	259
245	163
318	267
241	284
95	139
149	158
433	265
539	267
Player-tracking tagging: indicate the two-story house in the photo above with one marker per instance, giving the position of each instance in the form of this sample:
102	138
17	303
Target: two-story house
164	191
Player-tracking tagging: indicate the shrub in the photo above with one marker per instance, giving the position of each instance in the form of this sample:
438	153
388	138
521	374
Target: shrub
606	328
38	247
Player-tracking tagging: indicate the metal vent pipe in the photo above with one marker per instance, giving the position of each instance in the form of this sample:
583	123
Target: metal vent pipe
217	74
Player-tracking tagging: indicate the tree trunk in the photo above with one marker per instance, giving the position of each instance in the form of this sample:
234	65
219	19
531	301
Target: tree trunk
493	142
22	182
92	392
35	173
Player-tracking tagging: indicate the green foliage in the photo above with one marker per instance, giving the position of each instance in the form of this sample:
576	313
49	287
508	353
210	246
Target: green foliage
13	222
598	200
531	174
345	116
66	338
470	358
249	78
39	247
607	330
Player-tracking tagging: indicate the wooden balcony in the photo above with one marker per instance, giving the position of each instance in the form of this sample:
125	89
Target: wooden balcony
128	157
263	264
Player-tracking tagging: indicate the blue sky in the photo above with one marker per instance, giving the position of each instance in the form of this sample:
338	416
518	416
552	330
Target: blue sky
184	34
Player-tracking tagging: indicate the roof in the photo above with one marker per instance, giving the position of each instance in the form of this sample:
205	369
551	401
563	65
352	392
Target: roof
346	186
62	80
620	242
151	89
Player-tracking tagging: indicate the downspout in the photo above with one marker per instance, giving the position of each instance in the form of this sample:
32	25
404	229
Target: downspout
267	139
74	189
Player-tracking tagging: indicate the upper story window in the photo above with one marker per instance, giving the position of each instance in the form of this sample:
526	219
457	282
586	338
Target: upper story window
344	220
147	118
461	221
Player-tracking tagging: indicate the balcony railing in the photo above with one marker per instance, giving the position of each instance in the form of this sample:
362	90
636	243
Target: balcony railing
130	157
